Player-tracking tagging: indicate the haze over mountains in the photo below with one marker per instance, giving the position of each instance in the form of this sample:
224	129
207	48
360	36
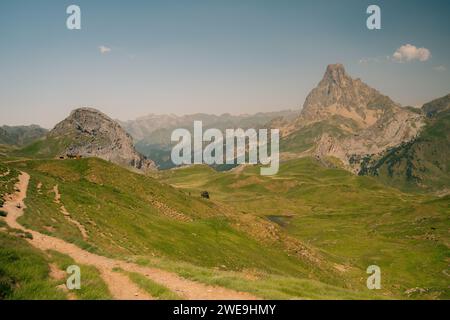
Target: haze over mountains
20	135
308	232
343	122
156	129
152	133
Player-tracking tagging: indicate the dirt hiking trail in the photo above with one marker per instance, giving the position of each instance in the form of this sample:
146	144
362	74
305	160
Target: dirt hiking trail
67	215
120	286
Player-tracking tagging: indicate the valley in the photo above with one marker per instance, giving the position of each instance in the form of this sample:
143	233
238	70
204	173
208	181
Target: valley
260	155
229	241
362	181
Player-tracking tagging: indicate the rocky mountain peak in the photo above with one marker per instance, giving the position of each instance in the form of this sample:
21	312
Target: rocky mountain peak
88	111
336	75
91	133
345	118
86	121
337	94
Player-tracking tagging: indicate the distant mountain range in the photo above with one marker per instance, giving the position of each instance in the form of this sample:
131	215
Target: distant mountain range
152	133
21	135
156	129
357	171
344	123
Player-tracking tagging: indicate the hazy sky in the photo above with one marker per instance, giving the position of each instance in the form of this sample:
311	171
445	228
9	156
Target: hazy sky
132	58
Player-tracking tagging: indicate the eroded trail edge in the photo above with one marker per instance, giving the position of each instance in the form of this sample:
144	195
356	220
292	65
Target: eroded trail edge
120	286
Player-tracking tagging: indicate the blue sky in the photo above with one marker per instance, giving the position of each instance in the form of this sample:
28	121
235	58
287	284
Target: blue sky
210	56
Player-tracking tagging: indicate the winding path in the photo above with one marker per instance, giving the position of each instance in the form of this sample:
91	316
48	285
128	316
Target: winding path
119	284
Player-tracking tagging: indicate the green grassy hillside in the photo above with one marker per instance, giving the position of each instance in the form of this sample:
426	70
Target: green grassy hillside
353	221
124	215
20	135
201	239
47	147
25	272
308	232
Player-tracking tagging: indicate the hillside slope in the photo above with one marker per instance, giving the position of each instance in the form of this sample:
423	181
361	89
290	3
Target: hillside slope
125	213
423	163
353	221
135	218
27	272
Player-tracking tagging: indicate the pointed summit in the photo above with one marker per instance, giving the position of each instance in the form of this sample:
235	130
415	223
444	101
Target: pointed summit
346	119
335	73
337	94
335	67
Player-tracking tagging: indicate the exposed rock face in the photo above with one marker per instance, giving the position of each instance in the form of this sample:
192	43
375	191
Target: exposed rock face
390	132
339	94
90	133
422	162
365	121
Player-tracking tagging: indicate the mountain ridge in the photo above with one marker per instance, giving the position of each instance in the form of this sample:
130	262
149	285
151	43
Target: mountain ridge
142	127
21	135
422	162
152	133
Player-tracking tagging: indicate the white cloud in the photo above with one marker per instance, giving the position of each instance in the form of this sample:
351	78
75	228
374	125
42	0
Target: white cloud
408	52
440	68
104	49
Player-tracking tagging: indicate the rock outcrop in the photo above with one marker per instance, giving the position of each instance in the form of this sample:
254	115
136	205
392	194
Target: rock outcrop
422	162
88	132
338	94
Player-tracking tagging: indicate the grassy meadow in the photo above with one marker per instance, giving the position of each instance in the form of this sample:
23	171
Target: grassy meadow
306	233
353	221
